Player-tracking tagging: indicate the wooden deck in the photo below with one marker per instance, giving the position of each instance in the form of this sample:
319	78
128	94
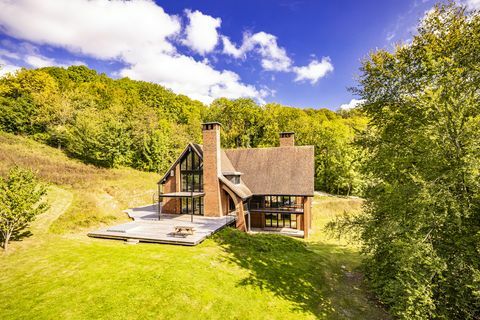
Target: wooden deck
146	227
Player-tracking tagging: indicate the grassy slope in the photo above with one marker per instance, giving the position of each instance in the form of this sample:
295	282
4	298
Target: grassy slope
97	195
55	274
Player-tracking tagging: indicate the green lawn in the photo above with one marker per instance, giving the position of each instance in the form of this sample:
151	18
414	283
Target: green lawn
60	273
231	276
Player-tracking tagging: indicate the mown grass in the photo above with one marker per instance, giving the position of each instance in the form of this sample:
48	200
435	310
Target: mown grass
233	275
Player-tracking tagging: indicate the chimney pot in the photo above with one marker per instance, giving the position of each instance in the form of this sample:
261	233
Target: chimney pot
287	139
211	126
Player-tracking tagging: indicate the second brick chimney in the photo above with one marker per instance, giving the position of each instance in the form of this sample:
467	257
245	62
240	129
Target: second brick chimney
287	139
211	169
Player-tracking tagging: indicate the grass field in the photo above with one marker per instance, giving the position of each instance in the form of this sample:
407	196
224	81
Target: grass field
59	273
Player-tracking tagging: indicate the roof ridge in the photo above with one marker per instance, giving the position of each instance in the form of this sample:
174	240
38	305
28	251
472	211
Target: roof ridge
267	148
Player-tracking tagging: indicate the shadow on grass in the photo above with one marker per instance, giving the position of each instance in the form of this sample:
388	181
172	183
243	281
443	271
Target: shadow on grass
311	277
19	235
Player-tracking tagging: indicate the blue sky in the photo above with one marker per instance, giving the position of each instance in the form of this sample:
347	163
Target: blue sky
298	53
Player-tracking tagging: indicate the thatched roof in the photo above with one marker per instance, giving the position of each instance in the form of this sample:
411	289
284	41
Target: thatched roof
240	189
265	171
276	171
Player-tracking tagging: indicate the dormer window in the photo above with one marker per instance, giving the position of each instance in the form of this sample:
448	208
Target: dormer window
233	177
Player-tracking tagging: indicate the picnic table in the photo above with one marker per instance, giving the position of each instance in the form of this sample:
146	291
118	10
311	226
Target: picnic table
184	230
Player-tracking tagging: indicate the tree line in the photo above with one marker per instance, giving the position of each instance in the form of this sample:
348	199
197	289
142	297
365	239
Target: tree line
142	125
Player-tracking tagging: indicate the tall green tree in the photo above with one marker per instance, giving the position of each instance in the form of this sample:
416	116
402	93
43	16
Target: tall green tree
421	230
21	200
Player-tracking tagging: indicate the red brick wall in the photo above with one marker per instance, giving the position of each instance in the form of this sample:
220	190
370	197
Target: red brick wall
172	205
211	169
307	215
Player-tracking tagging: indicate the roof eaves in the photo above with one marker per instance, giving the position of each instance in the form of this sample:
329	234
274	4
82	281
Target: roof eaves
234	189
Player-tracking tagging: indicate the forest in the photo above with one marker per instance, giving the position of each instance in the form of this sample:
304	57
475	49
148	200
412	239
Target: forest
142	125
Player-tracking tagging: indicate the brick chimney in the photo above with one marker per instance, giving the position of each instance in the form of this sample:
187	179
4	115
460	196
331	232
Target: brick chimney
287	139
211	169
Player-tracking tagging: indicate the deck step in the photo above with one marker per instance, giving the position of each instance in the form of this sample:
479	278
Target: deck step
132	241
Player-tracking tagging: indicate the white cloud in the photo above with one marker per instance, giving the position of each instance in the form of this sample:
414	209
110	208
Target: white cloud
6	68
390	36
30	55
352	104
194	78
101	28
273	57
9	54
314	70
201	32
472	4
138	33
41	62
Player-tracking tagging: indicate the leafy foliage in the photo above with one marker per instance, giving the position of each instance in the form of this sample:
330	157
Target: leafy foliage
114	123
421	231
247	125
20	201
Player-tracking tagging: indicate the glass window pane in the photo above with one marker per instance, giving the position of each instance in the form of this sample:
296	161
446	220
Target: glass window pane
194	161
184	206
196	182
189	161
183	164
286	220
187	182
196	206
184	182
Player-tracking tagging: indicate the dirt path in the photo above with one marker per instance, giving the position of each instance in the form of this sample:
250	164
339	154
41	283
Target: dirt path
59	200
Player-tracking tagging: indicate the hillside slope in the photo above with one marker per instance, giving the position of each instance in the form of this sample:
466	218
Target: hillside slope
81	196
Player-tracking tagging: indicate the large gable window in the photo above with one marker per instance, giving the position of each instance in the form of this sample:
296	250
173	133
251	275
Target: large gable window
191	171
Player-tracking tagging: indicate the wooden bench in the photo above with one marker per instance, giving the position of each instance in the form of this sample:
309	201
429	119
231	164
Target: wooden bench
184	231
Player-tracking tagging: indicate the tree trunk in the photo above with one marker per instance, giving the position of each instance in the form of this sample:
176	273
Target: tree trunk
6	240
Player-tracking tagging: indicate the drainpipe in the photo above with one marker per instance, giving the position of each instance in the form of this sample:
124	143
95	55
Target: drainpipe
160	201
249	215
191	190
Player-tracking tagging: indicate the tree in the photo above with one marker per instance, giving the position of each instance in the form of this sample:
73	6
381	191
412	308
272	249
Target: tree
21	200
421	229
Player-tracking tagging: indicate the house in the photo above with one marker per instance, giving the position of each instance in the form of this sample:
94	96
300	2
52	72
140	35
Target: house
264	188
